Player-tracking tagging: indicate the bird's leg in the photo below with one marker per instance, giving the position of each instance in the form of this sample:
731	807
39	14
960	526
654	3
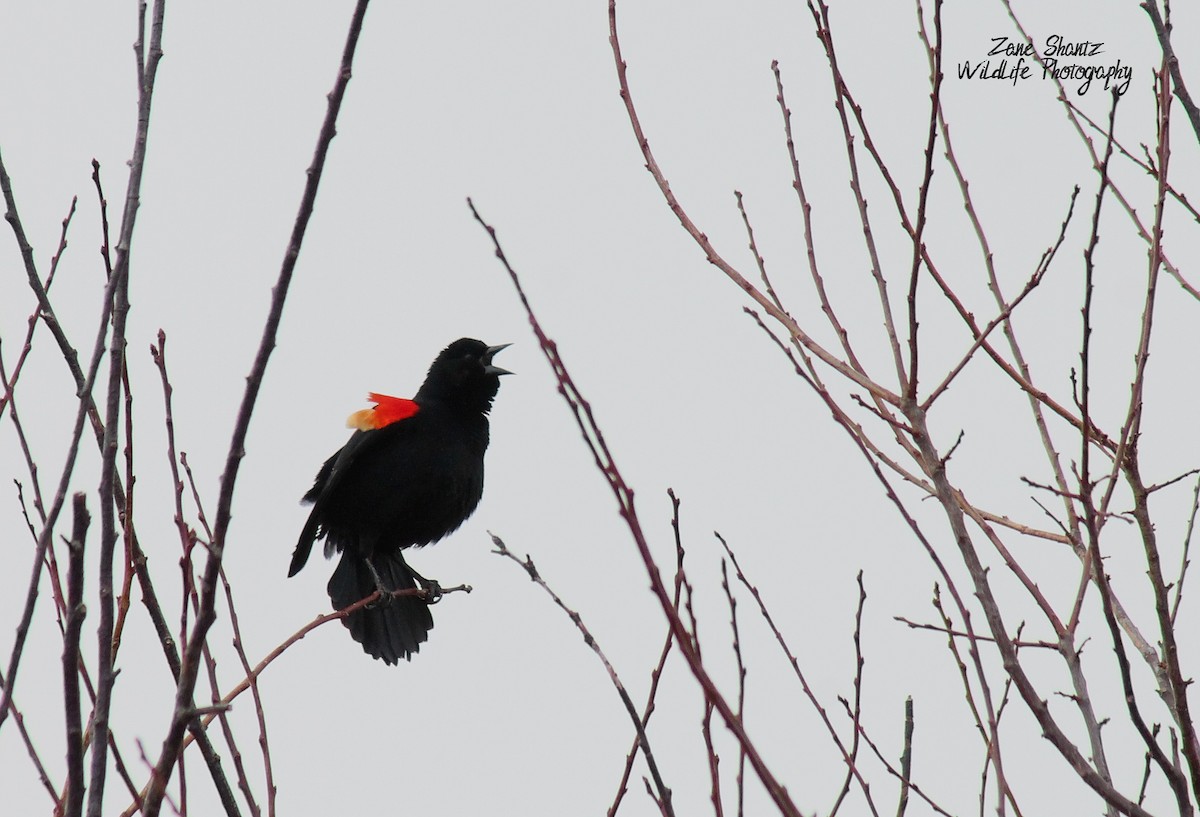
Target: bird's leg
433	590
385	592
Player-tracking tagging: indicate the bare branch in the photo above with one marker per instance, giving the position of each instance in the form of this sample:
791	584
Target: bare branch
663	793
594	438
906	758
741	667
1162	30
75	614
108	465
847	758
656	673
856	710
1185	558
11	383
56	505
918	240
712	256
191	659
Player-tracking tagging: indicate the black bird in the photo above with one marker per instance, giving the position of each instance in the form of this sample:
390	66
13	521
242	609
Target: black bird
411	473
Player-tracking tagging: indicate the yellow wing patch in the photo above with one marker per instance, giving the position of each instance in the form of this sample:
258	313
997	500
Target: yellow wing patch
363	420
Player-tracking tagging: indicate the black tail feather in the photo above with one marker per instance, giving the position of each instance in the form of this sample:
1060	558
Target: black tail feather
304	544
388	631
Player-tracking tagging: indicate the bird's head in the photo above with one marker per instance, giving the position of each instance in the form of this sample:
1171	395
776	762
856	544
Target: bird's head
464	375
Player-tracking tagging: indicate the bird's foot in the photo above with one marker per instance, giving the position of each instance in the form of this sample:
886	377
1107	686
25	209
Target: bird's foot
433	590
385	593
385	599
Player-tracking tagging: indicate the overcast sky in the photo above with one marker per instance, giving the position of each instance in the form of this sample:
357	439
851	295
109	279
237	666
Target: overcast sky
505	710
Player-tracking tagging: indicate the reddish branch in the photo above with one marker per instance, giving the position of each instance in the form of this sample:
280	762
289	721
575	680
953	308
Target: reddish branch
73	805
56	505
856	710
741	668
594	438
1074	116
663	793
710	253
188	540
1162	30
106	675
10	383
83	390
931	462
205	715
183	710
656	673
239	648
918	238
848	755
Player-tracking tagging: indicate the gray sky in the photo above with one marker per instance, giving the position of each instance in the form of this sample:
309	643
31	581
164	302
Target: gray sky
505	710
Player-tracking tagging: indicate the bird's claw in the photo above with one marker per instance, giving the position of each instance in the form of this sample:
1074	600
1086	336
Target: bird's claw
433	590
384	600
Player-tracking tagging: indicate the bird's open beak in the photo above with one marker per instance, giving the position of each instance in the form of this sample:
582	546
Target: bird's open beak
491	352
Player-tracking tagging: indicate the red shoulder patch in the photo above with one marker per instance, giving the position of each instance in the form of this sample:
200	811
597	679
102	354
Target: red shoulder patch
387	410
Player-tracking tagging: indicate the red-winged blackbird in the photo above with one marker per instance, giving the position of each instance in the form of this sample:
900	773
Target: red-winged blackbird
409	475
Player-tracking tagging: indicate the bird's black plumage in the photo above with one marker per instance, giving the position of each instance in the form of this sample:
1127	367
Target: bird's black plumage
400	483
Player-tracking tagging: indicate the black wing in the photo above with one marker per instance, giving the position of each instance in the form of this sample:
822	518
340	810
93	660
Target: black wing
331	474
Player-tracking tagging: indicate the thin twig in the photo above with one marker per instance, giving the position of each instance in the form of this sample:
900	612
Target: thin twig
809	240
856	712
31	750
656	673
710	252
906	758
1149	765
918	237
594	439
1128	459
239	648
207	615
1006	311
1185	559
764	612
741	667
56	504
874	458
204	715
124	598
1162	30
877	275
663	793
11	383
914	625
106	675
1130	212
187	542
710	749
897	773
759	261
